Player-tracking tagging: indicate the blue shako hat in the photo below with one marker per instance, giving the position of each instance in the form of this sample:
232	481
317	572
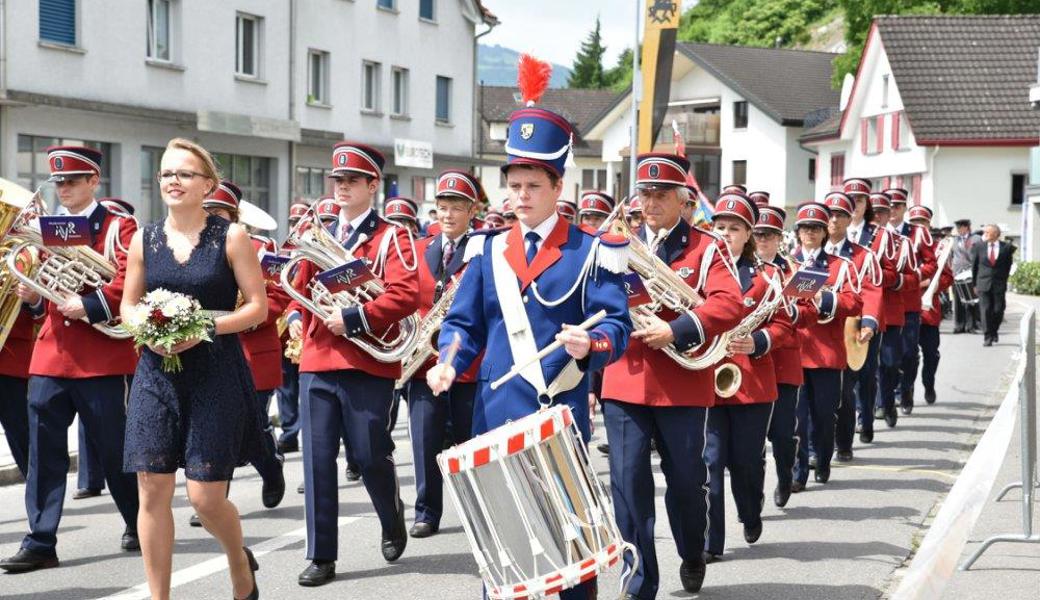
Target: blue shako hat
537	136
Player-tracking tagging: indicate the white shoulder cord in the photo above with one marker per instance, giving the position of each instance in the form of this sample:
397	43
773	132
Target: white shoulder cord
580	281
400	255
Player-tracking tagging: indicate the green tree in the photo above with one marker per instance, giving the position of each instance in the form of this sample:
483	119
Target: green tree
588	64
619	77
762	23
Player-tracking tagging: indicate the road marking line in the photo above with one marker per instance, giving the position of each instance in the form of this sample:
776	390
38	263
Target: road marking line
219	563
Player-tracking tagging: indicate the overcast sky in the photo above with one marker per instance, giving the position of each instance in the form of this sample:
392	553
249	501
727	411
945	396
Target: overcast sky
554	29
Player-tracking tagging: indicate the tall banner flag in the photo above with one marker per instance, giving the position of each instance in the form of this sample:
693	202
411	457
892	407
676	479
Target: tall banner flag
662	26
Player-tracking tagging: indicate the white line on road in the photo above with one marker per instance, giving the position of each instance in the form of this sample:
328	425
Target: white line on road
219	563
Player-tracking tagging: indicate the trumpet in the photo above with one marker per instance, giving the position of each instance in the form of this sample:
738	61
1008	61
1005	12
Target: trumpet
58	272
312	242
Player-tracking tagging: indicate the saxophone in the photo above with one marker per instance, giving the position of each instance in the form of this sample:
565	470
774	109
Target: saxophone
425	344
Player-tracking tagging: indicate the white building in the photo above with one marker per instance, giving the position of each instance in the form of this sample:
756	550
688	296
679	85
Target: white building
939	106
741	112
267	85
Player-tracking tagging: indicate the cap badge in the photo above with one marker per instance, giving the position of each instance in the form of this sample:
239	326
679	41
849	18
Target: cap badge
342	159
451	183
59	163
526	131
730	205
654	170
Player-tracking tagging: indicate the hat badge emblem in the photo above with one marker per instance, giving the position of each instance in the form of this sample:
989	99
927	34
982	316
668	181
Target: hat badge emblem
526	131
731	204
451	183
812	212
654	170
342	159
59	162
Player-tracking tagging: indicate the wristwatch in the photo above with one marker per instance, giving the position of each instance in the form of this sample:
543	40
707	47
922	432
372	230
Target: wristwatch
211	329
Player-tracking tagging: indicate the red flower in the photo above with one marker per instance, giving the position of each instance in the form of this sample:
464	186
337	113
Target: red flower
158	317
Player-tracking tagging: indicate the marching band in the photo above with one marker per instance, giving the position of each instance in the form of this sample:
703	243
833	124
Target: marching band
699	345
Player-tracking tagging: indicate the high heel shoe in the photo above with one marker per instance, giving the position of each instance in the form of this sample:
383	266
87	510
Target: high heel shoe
253	567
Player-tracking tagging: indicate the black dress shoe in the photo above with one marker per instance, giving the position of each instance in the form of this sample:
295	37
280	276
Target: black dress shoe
781	494
906	409
287	447
929	396
26	560
710	557
394	541
996	338
797	486
891	417
82	493
195	521
273	491
843	456
422	530
130	541
866	437
957	330
604	449
299	489
823	474
879	413
254	567
319	572
987	343
353	472
691	574
752	533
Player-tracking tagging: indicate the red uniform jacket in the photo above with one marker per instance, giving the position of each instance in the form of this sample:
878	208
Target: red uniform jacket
787	356
823	336
886	248
921	244
431	257
261	345
17	350
868	278
933	314
757	370
323	351
70	347
650	377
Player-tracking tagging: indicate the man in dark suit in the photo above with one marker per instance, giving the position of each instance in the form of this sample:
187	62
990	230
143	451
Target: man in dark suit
990	268
966	316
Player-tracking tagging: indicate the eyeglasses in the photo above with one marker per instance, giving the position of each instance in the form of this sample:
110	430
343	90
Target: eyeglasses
182	175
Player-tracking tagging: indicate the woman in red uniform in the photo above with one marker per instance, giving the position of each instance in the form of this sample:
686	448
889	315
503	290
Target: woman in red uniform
738	423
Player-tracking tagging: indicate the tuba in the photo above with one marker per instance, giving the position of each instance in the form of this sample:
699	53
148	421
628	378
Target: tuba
58	272
425	344
312	242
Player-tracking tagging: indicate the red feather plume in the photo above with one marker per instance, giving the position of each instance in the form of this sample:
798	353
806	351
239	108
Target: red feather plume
532	78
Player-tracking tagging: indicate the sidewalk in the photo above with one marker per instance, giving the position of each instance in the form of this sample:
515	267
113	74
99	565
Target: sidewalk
9	473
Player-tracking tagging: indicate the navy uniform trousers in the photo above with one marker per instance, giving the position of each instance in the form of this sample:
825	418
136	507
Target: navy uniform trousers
428	417
867	385
269	463
679	433
355	406
289	402
888	372
929	342
909	364
817	400
783	428
14	418
845	415
736	441
90	475
100	403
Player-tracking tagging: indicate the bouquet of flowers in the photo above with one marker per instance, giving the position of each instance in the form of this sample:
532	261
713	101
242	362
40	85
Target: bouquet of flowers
163	318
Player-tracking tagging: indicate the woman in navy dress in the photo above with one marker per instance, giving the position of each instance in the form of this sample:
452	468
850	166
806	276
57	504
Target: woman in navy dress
203	419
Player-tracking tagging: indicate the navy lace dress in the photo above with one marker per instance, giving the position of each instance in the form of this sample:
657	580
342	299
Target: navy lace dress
204	418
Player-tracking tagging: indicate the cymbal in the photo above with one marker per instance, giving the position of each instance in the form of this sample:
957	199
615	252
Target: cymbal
855	351
256	217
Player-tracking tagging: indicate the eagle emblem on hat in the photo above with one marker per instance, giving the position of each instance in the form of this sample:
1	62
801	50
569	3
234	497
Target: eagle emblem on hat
526	130
654	170
59	163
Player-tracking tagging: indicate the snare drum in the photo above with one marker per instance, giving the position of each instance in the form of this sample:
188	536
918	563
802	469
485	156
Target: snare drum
537	519
964	289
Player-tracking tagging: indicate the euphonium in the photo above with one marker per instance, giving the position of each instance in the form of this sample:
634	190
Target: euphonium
10	303
312	242
425	344
60	271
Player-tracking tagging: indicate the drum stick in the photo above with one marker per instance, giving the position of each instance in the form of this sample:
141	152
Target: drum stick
585	325
452	349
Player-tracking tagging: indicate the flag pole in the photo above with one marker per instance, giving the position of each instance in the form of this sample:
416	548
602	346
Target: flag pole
634	127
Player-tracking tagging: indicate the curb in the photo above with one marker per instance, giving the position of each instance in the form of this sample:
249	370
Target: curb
10	475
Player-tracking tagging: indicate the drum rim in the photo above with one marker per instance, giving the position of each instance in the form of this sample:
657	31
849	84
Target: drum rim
507	439
541	586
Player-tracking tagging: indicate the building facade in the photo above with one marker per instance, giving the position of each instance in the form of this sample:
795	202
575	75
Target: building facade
267	85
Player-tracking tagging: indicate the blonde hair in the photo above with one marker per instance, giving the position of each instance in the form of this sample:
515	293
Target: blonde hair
209	166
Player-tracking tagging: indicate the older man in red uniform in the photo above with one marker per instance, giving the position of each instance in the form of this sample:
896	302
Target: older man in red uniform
648	396
76	369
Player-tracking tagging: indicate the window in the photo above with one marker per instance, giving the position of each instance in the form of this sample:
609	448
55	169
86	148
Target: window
33	168
387	4
740	171
443	114
1018	188
317	77
150	195
426	10
251	173
884	91
812	169
900	131
370	86
247	43
593	179
159	30
58	21
400	82
837	170
311	184
872	136
740	115
423	189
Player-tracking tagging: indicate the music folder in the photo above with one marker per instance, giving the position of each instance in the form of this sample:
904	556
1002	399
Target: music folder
346	276
805	283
